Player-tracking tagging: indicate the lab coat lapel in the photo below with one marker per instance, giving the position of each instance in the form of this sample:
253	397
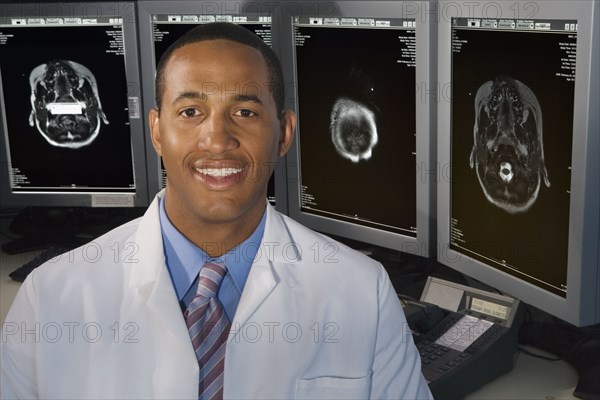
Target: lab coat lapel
265	273
176	360
151	276
261	282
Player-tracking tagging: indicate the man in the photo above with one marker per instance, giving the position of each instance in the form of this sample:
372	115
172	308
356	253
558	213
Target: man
296	326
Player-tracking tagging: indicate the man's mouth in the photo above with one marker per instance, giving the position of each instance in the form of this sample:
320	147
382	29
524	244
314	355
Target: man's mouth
219	173
216	176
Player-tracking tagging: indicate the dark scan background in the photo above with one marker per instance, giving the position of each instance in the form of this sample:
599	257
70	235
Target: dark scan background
533	244
381	190
105	163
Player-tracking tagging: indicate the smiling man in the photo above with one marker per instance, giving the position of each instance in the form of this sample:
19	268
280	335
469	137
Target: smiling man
220	296
219	131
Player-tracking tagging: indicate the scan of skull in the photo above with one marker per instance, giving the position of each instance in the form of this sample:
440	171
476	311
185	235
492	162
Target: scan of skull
508	151
66	107
353	129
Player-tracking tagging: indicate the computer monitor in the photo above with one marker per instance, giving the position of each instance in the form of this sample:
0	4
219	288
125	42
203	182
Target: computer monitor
359	75
161	24
518	199
70	118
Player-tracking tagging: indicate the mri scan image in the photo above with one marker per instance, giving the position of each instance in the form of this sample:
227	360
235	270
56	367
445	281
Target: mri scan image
66	108
508	151
353	129
353	124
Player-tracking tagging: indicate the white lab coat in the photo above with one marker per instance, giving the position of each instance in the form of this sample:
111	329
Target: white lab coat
315	320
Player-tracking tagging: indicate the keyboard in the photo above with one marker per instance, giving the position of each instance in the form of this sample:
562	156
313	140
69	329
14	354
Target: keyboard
21	273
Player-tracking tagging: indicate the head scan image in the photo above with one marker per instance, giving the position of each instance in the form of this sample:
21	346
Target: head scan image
65	104
353	125
508	151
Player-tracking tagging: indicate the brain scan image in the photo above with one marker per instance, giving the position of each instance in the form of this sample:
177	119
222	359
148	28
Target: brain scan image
353	129
508	151
353	124
66	107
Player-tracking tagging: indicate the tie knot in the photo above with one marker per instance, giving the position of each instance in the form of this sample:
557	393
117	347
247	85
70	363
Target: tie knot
211	275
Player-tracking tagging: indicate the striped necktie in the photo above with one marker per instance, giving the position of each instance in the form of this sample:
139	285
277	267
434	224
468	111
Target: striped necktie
208	326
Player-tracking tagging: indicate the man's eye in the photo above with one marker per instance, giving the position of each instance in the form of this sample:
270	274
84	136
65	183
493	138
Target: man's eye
245	113
189	113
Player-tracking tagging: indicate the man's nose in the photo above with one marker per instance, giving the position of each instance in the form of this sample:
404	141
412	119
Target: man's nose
217	134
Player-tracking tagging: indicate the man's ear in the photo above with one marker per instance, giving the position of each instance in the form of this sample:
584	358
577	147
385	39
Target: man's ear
153	121
288	127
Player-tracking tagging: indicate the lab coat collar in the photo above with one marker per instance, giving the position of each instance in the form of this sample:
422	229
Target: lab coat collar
278	249
150	276
277	245
148	240
151	285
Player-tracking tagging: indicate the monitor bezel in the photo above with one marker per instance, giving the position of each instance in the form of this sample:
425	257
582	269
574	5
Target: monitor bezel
580	307
424	242
139	198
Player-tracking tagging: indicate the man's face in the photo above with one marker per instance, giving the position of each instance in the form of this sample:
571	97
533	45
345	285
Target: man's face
218	133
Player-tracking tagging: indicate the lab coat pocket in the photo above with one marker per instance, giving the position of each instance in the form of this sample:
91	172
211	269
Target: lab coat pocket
329	387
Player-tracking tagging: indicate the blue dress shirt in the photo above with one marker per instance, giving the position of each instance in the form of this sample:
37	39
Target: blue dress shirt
184	260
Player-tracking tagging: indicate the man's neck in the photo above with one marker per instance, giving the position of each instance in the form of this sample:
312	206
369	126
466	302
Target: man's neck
213	236
222	237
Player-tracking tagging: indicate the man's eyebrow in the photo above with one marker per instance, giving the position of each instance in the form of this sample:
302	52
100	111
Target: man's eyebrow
193	95
247	98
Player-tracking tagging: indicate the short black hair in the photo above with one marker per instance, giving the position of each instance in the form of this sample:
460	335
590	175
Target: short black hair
235	33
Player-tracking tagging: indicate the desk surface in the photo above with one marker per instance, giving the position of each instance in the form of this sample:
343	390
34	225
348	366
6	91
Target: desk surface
531	378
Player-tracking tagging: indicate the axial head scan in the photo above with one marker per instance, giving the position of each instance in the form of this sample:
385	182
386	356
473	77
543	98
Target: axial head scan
65	104
353	124
508	151
353	129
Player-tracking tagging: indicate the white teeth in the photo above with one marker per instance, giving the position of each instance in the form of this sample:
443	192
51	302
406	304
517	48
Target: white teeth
219	172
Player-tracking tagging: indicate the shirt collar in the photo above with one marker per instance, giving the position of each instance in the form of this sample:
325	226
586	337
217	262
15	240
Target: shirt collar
184	258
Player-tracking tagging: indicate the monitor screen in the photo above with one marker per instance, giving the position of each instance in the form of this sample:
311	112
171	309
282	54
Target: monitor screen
357	121
361	134
161	24
70	106
513	139
511	124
